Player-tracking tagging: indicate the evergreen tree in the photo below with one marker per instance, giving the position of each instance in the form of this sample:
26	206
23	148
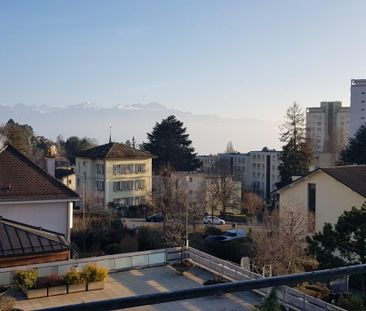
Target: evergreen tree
170	143
270	303
296	155
355	152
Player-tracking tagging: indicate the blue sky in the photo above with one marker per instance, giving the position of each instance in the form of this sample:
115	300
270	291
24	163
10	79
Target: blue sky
231	58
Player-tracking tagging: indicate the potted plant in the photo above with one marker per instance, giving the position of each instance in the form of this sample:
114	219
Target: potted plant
27	282
95	276
75	281
182	266
56	285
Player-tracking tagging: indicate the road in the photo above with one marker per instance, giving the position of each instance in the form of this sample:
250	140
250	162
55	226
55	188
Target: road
137	222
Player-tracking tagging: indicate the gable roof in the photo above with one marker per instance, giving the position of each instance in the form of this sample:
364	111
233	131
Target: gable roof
18	239
21	179
114	151
352	176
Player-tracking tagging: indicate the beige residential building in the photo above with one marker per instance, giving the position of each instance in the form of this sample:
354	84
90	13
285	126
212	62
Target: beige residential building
324	194
114	174
200	186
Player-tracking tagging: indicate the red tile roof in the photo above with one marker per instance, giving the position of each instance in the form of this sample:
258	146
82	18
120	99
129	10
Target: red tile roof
22	180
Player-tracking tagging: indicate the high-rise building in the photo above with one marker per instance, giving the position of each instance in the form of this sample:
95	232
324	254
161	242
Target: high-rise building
358	104
328	127
257	170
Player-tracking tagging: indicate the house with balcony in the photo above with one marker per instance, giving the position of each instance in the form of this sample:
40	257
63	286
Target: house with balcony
114	174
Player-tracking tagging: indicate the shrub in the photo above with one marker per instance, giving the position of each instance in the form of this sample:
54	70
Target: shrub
150	238
27	278
129	243
92	273
54	280
111	249
74	276
6	303
209	230
317	290
351	302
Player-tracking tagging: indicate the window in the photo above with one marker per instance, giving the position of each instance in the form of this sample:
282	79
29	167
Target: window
140	184
311	197
122	169
100	185
139	200
140	168
123	185
100	169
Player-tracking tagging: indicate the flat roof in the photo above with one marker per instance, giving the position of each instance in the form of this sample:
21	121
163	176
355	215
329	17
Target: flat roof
148	281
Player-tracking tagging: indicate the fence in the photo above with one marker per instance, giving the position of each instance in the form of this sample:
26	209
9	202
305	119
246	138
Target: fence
114	263
289	297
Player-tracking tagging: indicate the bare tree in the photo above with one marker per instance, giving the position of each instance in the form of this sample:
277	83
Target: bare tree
281	241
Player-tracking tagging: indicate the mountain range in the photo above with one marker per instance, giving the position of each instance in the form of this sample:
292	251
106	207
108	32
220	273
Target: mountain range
209	133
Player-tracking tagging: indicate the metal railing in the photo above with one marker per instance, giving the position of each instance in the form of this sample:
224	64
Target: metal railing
287	296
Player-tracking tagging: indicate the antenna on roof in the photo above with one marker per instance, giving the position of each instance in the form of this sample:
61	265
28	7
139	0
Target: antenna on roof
110	134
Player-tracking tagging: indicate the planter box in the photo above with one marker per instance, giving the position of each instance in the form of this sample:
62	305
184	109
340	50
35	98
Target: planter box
95	285
34	293
57	290
75	288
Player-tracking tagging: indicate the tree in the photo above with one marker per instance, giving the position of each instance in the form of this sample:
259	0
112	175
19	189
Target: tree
279	243
270	303
19	135
296	155
342	244
355	151
170	143
74	145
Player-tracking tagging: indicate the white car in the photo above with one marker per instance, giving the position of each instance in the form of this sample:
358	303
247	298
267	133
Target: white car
213	220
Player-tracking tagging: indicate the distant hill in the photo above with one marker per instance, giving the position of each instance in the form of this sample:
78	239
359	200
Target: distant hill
209	133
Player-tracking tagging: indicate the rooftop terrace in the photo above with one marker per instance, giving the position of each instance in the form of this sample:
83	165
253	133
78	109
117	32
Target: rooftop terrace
146	281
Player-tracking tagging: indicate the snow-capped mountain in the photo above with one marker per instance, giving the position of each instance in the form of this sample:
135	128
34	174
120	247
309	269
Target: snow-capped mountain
209	133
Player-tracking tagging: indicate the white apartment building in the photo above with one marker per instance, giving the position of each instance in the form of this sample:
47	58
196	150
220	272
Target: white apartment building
114	173
328	127
257	170
358	104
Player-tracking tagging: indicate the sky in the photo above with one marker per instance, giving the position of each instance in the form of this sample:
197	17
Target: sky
247	59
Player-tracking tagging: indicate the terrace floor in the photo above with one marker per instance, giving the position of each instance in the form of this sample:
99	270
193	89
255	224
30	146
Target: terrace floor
145	281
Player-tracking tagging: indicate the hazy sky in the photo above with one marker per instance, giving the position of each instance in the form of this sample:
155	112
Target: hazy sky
231	58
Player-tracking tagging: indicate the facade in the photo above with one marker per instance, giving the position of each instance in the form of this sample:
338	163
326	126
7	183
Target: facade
358	104
324	194
196	184
114	174
328	128
257	170
28	194
67	176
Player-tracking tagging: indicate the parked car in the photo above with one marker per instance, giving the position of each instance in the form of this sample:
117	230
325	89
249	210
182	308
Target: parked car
155	218
213	220
234	234
227	236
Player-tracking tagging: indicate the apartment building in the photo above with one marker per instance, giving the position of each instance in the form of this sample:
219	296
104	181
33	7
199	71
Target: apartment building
114	173
257	170
328	127
358	104
200	186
